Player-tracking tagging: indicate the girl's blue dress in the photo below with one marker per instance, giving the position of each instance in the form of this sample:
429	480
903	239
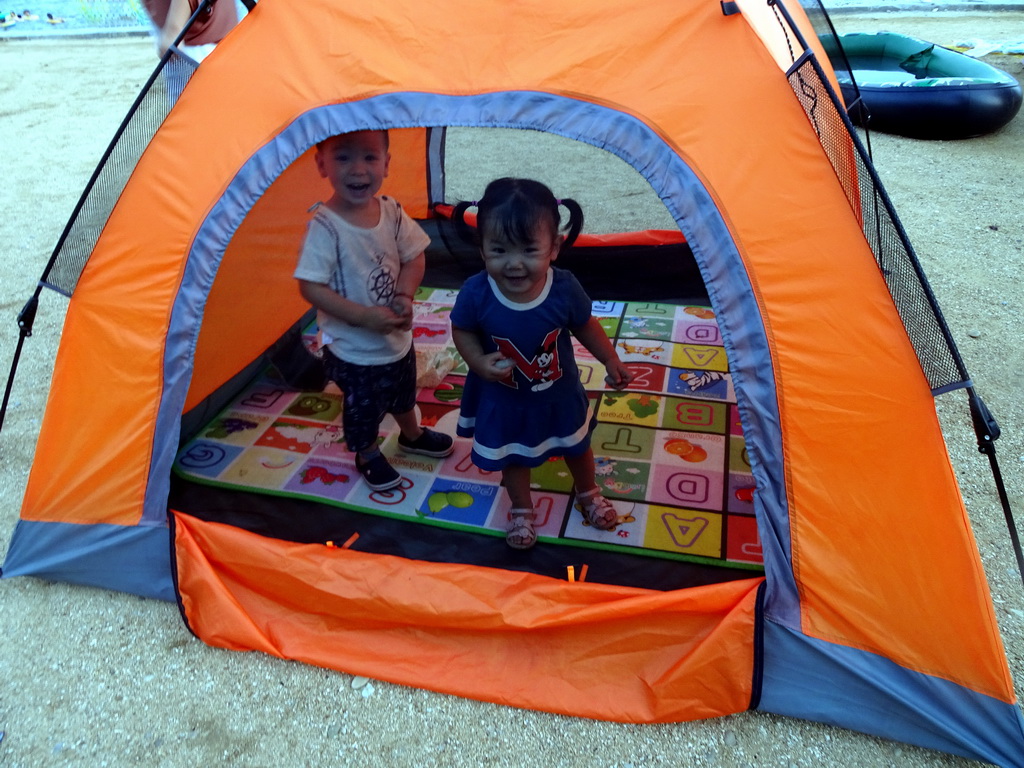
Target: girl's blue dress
541	410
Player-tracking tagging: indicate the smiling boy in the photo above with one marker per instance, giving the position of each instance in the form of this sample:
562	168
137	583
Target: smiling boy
360	265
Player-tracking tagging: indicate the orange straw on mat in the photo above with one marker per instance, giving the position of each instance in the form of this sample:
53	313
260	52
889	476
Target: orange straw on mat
571	572
348	543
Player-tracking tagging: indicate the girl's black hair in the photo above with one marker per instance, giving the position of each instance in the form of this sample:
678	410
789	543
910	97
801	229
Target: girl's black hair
513	207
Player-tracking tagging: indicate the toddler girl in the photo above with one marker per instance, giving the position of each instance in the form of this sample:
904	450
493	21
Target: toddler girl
523	402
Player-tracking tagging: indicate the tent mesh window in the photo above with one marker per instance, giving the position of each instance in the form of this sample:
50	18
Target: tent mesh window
918	309
90	215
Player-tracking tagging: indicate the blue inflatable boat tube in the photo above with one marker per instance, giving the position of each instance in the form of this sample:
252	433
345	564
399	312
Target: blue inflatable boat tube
914	88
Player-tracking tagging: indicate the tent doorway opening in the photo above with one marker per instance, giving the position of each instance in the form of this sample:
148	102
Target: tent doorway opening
266	453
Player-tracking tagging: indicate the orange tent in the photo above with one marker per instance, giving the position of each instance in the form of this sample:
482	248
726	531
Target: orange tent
727	110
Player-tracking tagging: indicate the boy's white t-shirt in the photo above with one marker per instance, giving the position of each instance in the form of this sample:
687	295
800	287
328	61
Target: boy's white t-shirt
361	265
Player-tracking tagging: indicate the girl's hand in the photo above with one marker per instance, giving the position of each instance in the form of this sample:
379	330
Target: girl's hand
618	375
489	366
493	367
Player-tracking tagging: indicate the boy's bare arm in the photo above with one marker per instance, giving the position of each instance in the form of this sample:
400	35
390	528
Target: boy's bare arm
593	337
408	283
411	276
380	319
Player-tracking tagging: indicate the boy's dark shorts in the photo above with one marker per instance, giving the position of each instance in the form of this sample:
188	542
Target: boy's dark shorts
371	392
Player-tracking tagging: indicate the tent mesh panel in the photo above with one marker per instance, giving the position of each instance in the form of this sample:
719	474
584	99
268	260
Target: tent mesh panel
108	180
917	307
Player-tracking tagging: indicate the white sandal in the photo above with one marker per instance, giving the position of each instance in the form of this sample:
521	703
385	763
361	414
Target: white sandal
597	510
521	533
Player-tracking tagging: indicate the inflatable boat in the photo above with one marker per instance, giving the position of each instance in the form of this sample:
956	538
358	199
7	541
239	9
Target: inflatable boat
911	87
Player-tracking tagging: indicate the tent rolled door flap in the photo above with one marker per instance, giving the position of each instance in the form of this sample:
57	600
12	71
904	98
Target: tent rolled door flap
514	638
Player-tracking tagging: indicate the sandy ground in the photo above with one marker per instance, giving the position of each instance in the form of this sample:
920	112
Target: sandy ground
89	677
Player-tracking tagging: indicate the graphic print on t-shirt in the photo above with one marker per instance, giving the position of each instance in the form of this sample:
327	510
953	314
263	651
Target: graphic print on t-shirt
542	369
380	285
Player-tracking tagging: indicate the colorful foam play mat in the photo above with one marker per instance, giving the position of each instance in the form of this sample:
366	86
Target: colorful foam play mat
670	453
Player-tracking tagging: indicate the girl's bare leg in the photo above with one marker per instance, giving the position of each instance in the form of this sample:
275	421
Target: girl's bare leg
517	483
520	533
597	510
582	469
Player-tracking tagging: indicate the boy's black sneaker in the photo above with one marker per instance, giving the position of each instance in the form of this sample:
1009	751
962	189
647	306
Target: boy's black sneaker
430	443
377	473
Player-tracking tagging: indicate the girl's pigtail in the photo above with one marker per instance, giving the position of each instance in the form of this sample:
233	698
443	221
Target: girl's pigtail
575	225
466	232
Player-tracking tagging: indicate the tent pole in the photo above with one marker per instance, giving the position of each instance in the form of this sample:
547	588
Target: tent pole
26	318
987	431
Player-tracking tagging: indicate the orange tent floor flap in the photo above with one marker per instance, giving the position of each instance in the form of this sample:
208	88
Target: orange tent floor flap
569	647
